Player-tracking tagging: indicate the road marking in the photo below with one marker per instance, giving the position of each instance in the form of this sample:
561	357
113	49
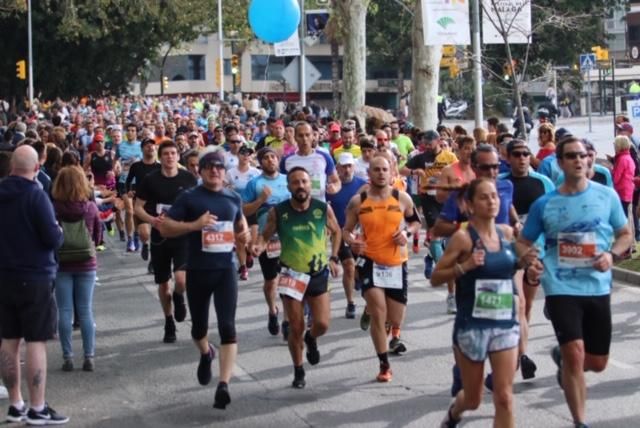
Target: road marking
620	364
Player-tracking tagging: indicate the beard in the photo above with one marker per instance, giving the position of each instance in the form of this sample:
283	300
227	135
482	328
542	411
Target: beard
301	196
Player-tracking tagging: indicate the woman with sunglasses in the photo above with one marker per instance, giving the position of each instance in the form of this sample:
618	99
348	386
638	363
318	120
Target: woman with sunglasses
546	142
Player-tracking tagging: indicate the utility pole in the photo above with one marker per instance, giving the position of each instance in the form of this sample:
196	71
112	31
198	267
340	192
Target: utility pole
220	52
303	80
30	60
477	65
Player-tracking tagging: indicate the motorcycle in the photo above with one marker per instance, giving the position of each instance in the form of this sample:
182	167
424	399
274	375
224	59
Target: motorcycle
456	109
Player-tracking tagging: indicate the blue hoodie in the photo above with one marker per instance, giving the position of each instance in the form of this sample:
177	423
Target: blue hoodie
29	233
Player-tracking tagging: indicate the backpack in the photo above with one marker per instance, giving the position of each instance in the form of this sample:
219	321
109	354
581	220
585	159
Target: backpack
77	245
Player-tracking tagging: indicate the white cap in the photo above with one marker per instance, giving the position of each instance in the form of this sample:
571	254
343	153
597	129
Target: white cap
346	158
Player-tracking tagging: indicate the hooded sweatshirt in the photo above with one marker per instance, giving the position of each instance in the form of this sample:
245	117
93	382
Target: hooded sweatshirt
29	233
72	212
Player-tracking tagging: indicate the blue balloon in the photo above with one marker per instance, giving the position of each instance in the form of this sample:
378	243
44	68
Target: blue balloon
274	21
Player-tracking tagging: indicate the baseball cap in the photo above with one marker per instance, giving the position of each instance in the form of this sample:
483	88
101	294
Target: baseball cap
245	150
511	145
193	134
346	159
431	135
215	158
263	151
335	127
147	141
98	137
262	122
625	127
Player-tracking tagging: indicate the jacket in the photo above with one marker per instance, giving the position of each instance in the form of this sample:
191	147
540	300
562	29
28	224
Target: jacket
623	171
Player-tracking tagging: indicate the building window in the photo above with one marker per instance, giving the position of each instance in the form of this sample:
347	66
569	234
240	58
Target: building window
267	67
195	67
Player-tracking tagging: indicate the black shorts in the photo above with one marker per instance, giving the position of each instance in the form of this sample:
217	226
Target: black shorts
430	209
364	265
318	284
586	318
270	267
164	254
252	220
344	253
28	310
121	189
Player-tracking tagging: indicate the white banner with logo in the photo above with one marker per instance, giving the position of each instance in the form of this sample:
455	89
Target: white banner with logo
516	19
290	47
446	22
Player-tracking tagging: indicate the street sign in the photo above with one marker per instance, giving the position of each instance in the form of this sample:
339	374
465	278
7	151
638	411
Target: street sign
587	61
292	74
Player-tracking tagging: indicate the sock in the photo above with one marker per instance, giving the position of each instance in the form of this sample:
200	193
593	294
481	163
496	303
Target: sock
18	404
169	319
384	358
298	371
38	408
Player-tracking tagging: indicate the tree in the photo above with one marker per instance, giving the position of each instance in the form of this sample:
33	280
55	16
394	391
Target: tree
425	68
354	60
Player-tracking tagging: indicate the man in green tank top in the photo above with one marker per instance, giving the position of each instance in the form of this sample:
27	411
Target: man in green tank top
302	224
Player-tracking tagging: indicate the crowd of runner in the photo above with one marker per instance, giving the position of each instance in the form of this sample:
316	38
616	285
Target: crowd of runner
201	190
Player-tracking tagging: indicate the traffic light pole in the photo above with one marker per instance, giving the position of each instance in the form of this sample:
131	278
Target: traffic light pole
220	52
30	60
477	65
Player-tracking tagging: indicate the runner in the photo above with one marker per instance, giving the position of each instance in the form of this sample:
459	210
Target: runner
128	152
482	260
368	149
262	193
154	197
528	186
303	223
585	230
319	164
350	185
388	219
211	217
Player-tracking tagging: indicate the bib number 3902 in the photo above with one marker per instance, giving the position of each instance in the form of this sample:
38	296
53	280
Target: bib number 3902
218	238
293	284
387	276
493	300
576	249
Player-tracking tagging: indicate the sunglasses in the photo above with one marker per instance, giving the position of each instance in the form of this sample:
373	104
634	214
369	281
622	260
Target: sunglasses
520	154
234	141
217	166
488	167
382	139
574	155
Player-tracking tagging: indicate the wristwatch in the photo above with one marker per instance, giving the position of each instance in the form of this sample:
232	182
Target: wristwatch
334	259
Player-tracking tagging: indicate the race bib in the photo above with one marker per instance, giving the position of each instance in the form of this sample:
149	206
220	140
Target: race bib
316	185
218	238
494	299
162	208
431	181
273	247
293	284
387	276
576	249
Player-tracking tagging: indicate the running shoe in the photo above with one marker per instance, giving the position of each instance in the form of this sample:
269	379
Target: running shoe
204	367
298	378
169	331
488	382
179	307
365	320
350	311
88	365
67	365
556	356
285	330
456	386
428	266
100	248
396	346
150	268
145	252
17	415
136	241
313	355
249	260
385	374
580	425
131	247
243	273
527	367
448	421
222	397
46	416
451	304
273	326
416	246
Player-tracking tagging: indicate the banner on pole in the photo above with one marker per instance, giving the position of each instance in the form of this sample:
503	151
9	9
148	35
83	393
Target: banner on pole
516	19
445	22
290	47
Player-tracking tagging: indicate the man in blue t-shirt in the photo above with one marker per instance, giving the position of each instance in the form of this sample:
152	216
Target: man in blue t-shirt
339	201
263	192
579	221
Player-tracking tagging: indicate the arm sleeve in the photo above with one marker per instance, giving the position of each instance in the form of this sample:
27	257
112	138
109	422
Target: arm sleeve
331	166
46	224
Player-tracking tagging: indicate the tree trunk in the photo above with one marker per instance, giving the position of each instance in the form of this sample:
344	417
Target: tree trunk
354	59
425	67
400	85
516	91
335	77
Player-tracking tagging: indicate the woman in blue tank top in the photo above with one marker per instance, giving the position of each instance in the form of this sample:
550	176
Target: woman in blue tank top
483	261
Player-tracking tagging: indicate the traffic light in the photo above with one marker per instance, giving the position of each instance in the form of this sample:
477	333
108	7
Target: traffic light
235	64
454	70
449	50
165	82
602	54
21	69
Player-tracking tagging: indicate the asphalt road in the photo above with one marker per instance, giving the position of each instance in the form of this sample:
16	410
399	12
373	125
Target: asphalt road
141	382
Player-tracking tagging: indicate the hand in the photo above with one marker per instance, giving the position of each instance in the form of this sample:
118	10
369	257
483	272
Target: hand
266	193
243	237
256	249
603	262
419	172
157	221
529	257
400	237
206	220
476	259
334	268
534	272
356	244
517	228
332	188
131	194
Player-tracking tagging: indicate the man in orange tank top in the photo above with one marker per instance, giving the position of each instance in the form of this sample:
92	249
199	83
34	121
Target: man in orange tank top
387	218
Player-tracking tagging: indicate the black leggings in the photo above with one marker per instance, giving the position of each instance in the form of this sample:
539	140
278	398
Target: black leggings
223	285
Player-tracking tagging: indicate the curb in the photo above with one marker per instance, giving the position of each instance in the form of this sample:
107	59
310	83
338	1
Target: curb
625	275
